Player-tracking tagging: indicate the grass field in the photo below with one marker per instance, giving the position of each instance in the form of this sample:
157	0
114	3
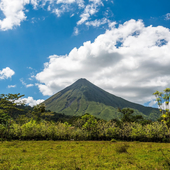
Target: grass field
83	155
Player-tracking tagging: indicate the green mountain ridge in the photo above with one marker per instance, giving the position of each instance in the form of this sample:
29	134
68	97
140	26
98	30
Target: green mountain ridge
84	97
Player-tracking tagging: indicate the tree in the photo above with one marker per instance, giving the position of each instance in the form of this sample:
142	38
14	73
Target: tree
90	122
4	117
40	112
87	122
128	117
163	102
8	106
9	103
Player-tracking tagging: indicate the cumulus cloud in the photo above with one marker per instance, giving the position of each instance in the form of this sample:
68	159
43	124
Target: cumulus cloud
6	73
30	101
11	86
130	61
13	11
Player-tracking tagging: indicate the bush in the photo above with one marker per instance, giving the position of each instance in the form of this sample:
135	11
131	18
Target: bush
113	140
122	148
43	130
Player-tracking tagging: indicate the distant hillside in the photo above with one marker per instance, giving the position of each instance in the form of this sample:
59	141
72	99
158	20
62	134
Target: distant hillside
84	97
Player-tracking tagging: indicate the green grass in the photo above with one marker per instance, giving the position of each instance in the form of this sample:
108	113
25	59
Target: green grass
83	155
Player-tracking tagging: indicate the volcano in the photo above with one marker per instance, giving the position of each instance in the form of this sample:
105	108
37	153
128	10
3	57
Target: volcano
84	97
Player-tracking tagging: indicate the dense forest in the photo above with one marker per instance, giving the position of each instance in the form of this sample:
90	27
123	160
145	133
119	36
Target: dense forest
18	121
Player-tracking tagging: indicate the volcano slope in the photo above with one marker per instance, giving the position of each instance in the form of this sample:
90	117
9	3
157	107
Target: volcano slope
84	97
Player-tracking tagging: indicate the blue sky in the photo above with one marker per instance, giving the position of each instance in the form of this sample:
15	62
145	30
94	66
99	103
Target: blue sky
121	46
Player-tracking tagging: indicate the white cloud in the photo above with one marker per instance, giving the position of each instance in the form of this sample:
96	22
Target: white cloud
165	106
76	31
30	101
35	3
6	73
15	10
11	86
58	12
89	10
45	89
66	1
130	61
167	16
14	13
80	3
97	22
65	6
29	85
72	15
61	9
111	24
152	103
26	85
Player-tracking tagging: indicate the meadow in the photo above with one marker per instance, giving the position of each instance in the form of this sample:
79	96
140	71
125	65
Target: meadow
82	155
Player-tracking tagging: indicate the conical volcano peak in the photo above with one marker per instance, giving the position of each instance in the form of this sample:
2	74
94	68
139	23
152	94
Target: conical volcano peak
85	97
82	82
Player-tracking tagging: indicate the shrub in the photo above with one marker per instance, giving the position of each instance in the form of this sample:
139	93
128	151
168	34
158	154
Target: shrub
113	140
122	148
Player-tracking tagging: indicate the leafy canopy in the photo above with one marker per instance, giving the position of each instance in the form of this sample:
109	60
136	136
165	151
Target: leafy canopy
9	102
163	102
8	106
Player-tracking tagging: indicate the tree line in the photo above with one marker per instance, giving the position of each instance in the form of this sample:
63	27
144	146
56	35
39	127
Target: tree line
26	123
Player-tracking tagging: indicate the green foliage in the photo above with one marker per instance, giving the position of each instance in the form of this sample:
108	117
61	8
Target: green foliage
22	119
162	98
45	130
122	148
9	102
90	122
8	105
4	117
39	112
113	140
128	116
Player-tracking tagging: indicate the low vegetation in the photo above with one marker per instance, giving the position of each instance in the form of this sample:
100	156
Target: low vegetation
85	128
82	155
